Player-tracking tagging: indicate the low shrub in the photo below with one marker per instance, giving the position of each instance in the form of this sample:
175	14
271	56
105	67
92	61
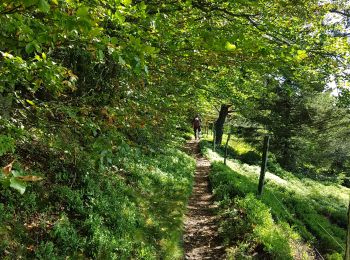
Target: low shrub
245	220
250	157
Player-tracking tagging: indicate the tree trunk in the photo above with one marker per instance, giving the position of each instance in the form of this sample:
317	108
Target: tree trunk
219	124
287	158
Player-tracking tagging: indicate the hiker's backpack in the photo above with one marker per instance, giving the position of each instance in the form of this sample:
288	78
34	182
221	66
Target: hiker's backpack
196	122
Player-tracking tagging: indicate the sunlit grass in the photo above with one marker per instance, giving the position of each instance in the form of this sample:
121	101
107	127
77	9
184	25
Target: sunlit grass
317	210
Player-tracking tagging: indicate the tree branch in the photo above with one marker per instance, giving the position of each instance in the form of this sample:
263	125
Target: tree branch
209	7
10	11
249	17
274	37
344	13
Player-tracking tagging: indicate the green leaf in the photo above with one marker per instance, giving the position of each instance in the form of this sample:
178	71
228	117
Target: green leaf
126	2
119	17
188	3
7	144
121	61
301	55
28	3
18	185
30	102
30	48
37	46
44	6
101	55
17	173
114	40
150	50
83	11
230	47
5	182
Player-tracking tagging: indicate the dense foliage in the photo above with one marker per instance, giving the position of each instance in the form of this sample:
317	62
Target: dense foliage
93	94
308	130
78	115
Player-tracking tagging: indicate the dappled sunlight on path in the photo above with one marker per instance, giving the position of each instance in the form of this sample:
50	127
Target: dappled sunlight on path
201	239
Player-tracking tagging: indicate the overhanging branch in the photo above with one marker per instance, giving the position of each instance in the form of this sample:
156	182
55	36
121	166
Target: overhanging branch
343	13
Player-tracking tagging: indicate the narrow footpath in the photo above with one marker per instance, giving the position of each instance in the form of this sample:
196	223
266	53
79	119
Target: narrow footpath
201	239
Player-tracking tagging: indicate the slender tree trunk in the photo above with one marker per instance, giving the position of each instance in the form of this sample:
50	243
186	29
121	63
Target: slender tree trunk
219	124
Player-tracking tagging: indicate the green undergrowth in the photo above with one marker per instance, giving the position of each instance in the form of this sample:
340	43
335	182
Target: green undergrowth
115	200
314	210
238	149
247	224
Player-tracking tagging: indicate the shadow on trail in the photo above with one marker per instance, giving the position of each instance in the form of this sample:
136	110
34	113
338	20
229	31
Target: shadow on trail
201	239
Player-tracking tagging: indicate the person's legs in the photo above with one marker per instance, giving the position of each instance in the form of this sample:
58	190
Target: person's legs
195	133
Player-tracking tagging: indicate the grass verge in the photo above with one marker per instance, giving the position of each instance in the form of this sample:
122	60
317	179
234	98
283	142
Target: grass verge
314	210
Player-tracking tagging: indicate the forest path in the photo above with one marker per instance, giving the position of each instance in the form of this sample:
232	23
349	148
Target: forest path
201	239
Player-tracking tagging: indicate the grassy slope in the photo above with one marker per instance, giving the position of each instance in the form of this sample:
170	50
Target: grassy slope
317	211
125	204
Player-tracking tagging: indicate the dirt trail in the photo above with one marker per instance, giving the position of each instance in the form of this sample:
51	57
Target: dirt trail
201	237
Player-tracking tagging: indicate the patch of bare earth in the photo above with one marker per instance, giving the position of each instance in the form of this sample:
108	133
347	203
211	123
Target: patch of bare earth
201	239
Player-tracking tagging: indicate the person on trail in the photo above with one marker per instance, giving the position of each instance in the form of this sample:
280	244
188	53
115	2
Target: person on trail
196	123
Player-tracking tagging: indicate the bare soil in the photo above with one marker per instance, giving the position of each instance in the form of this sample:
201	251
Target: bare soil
201	239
